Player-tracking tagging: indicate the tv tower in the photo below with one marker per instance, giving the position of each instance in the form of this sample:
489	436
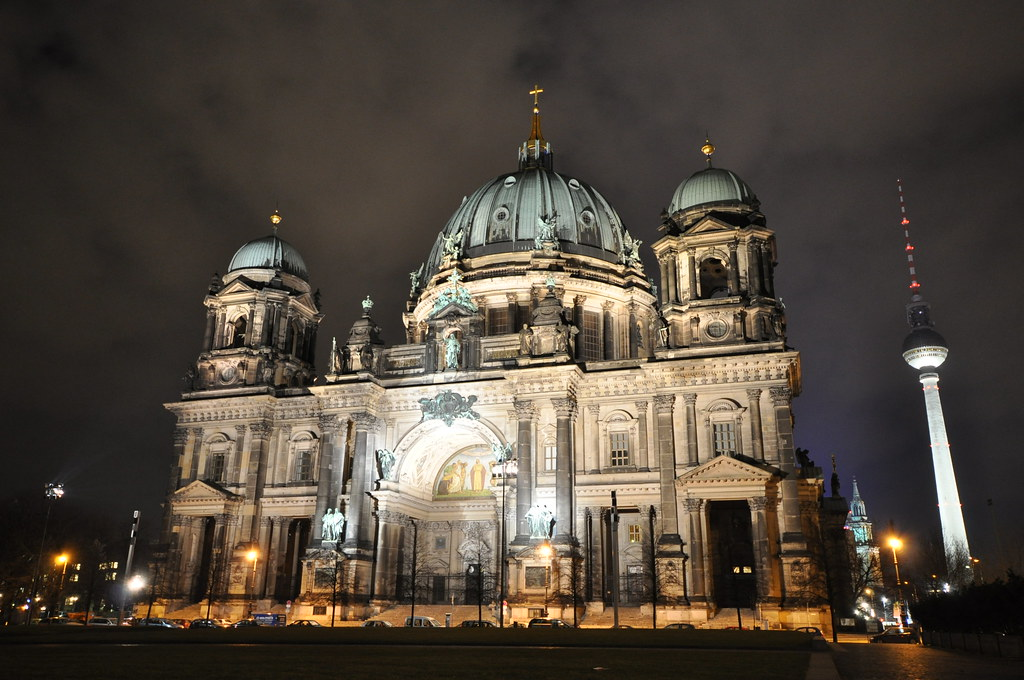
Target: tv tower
925	350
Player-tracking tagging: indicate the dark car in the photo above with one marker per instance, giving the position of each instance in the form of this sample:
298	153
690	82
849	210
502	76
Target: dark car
680	626
895	635
203	623
245	623
157	623
376	623
306	623
810	629
548	623
476	623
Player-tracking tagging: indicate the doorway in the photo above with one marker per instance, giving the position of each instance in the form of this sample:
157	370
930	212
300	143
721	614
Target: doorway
732	554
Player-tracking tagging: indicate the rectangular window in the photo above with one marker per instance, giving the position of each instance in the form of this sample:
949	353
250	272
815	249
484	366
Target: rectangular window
216	471
319	610
634	533
724	435
591	337
497	320
550	457
440	542
536	577
619	444
304	466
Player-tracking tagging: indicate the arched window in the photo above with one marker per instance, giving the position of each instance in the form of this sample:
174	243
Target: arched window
714	278
238	332
722	419
620	434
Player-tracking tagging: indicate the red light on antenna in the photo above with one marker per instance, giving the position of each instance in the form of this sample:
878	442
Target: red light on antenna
904	221
909	247
914	285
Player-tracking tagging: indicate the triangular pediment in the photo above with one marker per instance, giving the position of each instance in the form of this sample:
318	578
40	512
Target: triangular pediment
202	492
724	469
449	310
239	285
709	224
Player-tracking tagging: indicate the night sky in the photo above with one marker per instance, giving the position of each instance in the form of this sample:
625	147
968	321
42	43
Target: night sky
145	142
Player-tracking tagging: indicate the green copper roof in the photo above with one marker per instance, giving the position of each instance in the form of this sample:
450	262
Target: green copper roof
711	186
270	252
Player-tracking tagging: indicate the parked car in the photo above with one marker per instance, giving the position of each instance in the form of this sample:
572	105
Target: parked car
245	623
680	626
476	623
223	623
421	622
157	623
810	629
305	622
548	623
204	623
61	621
102	621
895	635
375	623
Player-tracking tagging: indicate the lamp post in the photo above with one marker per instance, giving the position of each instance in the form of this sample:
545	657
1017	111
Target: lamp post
54	492
896	544
546	551
62	560
253	556
506	464
135	584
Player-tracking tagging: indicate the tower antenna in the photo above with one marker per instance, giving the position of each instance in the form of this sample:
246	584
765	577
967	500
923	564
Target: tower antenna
915	286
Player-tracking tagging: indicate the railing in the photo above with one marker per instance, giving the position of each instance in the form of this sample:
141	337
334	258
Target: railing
990	644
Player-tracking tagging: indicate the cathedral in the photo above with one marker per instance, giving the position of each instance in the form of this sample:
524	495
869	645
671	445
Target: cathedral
560	430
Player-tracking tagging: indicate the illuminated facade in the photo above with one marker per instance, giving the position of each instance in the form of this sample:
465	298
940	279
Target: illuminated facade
542	370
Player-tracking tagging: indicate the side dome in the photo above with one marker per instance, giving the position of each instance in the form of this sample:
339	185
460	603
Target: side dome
505	215
270	252
710	187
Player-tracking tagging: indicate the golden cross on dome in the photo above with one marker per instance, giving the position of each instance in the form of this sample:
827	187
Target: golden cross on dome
536	95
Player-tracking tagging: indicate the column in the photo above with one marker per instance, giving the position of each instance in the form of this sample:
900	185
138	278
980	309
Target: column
257	478
278	526
642	456
248	326
609	330
565	412
766	270
211	324
756	435
197	448
577	318
357	532
691	265
695	511
759	531
754	270
181	436
734	270
325	494
525	414
673	277
513	313
634	337
781	399
663	405
592	452
663	294
692	452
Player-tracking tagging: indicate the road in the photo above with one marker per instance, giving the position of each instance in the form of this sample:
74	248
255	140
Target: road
856	660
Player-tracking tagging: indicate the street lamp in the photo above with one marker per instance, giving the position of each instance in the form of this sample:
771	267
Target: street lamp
546	551
62	560
253	556
54	492
507	465
135	584
897	544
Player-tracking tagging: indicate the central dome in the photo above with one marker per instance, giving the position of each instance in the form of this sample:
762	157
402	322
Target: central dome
270	252
504	215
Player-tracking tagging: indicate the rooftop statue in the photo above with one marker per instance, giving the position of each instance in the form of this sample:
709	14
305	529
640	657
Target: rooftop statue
546	233
367	305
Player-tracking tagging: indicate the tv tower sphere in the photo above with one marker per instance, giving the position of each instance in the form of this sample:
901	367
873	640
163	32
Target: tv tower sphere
924	348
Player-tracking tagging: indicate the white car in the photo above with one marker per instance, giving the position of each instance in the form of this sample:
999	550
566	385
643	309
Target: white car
101	621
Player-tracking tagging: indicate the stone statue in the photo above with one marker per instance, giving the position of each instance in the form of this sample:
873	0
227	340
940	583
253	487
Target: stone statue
541	521
327	526
502	452
367	305
338	525
545	231
525	341
662	333
366	357
452	346
630	255
336	364
835	478
414	281
386	462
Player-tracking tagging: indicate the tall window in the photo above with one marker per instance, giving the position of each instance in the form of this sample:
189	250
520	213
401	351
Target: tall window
304	466
634	533
619	445
550	457
590	337
497	320
724	435
216	467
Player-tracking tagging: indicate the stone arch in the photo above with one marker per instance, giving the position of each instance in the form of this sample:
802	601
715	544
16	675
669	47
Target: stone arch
420	454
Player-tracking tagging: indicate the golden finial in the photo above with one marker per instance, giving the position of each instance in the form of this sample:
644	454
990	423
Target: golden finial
708	149
275	219
536	138
536	97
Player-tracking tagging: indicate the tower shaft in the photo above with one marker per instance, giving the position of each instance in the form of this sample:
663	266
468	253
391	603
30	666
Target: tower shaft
954	533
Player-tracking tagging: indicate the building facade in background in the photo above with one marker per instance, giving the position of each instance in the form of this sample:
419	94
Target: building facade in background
543	372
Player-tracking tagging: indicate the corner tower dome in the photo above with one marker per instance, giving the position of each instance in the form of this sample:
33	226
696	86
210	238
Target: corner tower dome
712	187
512	211
270	252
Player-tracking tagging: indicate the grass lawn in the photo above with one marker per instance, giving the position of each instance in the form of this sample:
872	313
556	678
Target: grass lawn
399	653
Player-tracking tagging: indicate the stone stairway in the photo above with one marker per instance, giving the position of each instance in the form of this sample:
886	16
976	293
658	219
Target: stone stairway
728	618
460	612
628	616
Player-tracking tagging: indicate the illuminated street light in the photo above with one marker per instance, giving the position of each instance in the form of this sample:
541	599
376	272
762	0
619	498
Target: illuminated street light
546	551
54	491
253	556
897	544
62	560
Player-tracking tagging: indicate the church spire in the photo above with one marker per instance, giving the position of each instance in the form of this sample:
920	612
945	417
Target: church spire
535	152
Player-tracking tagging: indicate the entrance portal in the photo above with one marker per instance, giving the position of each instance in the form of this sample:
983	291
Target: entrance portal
732	554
